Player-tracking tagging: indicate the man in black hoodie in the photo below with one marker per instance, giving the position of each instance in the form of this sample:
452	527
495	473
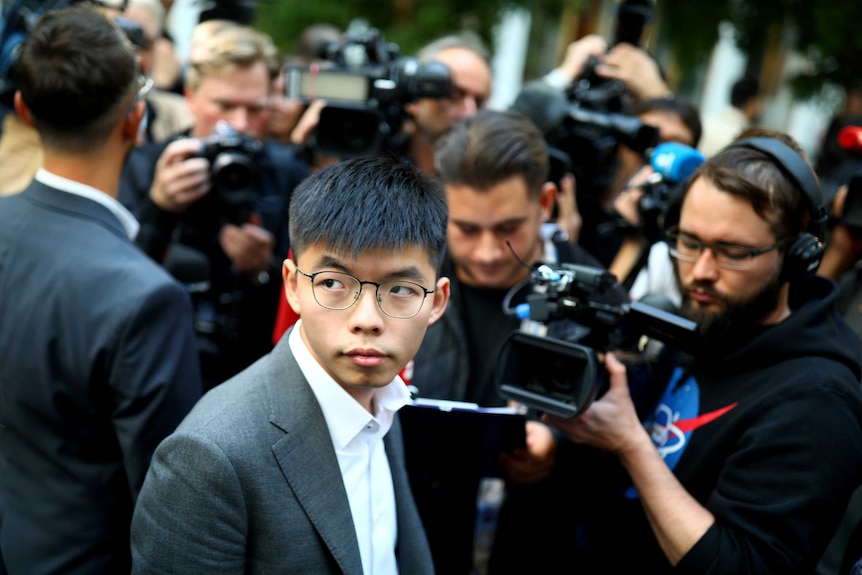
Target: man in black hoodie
753	446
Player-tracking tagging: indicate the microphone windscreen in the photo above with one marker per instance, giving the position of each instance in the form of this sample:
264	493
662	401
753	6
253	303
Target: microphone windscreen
675	162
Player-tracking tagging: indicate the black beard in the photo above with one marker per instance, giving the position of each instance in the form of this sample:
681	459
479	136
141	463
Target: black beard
737	318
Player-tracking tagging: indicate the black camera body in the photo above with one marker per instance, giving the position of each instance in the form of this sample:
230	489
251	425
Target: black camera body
234	159
659	198
559	372
588	120
365	84
596	125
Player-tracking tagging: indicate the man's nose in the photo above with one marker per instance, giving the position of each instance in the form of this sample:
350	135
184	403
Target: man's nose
365	312
705	266
238	118
487	248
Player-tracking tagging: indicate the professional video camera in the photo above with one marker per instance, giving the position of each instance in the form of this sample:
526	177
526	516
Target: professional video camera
587	121
233	161
365	84
558	372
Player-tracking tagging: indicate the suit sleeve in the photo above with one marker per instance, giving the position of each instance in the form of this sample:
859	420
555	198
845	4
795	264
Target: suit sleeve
191	515
156	379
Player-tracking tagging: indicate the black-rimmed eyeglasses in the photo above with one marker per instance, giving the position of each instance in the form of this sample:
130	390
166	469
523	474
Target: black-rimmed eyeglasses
337	290
727	256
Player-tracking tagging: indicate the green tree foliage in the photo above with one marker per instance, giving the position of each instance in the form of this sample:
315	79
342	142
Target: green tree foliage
408	23
826	32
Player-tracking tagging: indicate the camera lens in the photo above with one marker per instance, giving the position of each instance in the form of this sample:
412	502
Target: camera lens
233	175
561	374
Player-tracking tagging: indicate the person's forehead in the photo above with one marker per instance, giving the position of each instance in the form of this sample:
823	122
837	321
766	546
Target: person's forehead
467	67
239	79
145	17
505	200
370	263
715	215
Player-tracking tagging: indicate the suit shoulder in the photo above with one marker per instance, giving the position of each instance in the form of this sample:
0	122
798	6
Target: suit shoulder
240	403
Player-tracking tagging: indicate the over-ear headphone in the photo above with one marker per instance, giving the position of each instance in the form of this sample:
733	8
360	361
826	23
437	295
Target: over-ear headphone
803	255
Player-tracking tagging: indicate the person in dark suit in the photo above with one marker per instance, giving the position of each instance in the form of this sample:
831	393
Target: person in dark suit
97	354
296	465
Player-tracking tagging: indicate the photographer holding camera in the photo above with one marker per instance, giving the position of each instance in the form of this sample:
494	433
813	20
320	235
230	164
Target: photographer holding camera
213	204
748	458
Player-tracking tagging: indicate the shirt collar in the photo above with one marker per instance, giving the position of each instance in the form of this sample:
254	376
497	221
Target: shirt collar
127	220
344	416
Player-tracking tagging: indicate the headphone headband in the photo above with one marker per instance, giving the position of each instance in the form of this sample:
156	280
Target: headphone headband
794	166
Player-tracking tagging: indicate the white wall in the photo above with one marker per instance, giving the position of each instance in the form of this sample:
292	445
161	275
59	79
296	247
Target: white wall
511	40
726	66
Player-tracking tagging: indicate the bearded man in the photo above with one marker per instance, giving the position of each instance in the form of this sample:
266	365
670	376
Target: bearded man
745	456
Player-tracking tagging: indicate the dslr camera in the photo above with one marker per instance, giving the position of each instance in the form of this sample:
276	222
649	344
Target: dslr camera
234	159
365	83
558	371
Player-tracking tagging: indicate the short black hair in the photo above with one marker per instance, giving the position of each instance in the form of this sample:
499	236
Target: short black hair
743	90
76	72
369	203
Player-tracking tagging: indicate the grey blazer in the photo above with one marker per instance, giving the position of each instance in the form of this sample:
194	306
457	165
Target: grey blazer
250	483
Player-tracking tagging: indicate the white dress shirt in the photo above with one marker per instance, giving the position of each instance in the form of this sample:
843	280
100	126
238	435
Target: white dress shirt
358	440
130	224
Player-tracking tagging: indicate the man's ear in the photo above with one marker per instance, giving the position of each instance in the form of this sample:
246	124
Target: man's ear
289	276
132	121
547	199
440	299
22	110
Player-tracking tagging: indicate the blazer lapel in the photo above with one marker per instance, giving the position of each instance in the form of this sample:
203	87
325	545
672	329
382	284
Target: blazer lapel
307	460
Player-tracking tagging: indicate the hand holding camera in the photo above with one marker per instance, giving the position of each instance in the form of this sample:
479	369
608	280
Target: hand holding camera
181	177
225	162
249	247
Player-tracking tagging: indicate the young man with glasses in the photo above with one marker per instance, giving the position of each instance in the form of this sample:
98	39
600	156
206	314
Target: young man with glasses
296	465
752	450
98	360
